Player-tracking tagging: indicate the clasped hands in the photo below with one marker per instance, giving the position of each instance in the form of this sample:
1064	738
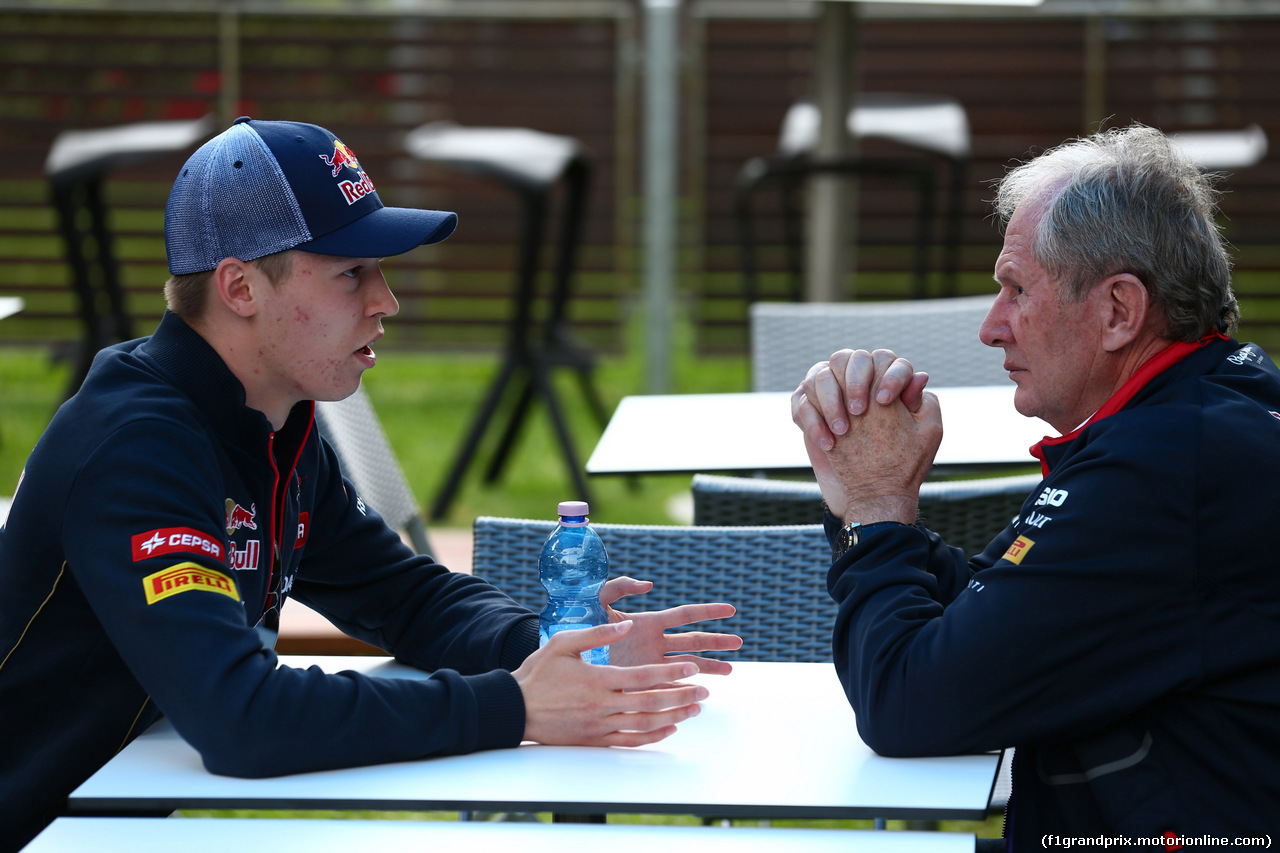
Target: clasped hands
640	697
871	431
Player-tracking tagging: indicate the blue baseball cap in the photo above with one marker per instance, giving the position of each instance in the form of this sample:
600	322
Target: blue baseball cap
261	187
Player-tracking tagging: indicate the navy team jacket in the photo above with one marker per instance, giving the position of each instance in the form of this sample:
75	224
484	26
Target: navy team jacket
157	520
1123	633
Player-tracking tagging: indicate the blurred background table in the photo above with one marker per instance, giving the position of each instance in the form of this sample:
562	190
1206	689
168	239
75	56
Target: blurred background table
10	305
835	70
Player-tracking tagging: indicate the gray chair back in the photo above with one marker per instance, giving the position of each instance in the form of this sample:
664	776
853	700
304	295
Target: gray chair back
775	576
965	513
352	427
938	336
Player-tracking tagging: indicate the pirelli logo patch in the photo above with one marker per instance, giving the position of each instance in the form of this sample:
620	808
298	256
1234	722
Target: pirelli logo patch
1018	549
185	577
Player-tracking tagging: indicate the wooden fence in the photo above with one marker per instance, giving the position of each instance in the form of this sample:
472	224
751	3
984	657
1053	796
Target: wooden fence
1027	80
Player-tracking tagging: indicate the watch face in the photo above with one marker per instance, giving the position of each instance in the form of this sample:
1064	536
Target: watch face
845	539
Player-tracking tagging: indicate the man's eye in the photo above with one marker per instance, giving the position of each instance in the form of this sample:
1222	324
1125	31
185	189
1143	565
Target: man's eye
354	272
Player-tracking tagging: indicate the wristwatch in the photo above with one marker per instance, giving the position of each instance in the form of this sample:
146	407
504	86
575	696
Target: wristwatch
851	534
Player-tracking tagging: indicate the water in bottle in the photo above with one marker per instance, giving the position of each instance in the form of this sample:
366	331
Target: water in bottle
573	566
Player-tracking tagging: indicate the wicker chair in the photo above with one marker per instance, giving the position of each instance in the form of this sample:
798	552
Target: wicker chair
736	501
966	513
775	576
939	336
352	427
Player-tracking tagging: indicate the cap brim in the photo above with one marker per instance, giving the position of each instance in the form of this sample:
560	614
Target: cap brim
385	232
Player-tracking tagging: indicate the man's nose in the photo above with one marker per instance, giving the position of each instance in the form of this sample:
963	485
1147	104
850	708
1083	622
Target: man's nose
994	330
383	301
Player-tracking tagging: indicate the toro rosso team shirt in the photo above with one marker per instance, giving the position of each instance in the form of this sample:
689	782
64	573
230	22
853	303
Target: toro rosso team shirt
158	521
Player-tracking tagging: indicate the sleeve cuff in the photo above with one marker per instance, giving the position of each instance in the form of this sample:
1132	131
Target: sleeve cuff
830	524
500	719
521	641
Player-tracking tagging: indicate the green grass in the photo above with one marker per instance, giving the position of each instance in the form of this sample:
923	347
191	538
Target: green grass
989	828
427	402
31	386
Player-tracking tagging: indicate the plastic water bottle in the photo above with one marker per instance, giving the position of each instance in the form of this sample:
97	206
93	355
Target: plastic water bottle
573	566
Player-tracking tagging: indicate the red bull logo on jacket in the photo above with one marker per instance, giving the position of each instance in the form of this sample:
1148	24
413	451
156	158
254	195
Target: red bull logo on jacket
344	158
238	516
244	559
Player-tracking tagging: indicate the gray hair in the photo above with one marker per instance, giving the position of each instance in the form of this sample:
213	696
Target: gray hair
1125	200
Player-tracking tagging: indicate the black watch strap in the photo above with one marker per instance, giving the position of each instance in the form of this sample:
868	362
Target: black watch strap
851	534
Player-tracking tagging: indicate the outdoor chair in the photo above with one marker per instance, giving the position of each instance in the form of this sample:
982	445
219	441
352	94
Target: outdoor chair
352	427
933	132
775	576
966	513
938	336
532	164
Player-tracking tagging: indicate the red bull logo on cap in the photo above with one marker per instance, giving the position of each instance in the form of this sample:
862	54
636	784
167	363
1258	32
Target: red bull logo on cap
343	157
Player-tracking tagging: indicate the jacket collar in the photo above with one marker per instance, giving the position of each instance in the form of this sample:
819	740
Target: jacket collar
198	371
1148	371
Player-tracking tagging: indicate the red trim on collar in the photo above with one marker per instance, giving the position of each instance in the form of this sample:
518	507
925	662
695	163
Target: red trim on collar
1150	369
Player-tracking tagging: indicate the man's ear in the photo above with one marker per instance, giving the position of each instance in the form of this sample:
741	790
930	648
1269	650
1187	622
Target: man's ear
234	285
1125	311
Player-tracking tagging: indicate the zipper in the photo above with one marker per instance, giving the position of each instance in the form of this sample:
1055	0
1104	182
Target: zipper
275	522
279	497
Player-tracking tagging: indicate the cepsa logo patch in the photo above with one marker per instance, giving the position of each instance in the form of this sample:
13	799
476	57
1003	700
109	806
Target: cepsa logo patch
1018	549
185	577
174	540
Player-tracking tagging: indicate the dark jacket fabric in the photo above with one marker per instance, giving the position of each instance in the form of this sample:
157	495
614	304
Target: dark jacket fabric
158	521
1123	632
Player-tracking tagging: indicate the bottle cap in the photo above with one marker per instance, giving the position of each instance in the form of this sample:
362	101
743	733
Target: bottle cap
572	508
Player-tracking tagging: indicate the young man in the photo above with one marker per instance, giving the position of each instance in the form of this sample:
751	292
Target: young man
1121	632
183	495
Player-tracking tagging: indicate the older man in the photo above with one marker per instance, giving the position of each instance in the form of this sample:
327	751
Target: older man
1123	632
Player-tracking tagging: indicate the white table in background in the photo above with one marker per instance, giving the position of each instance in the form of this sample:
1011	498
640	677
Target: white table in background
218	835
10	305
753	431
773	740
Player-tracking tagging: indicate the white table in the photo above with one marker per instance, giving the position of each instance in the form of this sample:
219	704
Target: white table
773	740
219	835
10	305
669	433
